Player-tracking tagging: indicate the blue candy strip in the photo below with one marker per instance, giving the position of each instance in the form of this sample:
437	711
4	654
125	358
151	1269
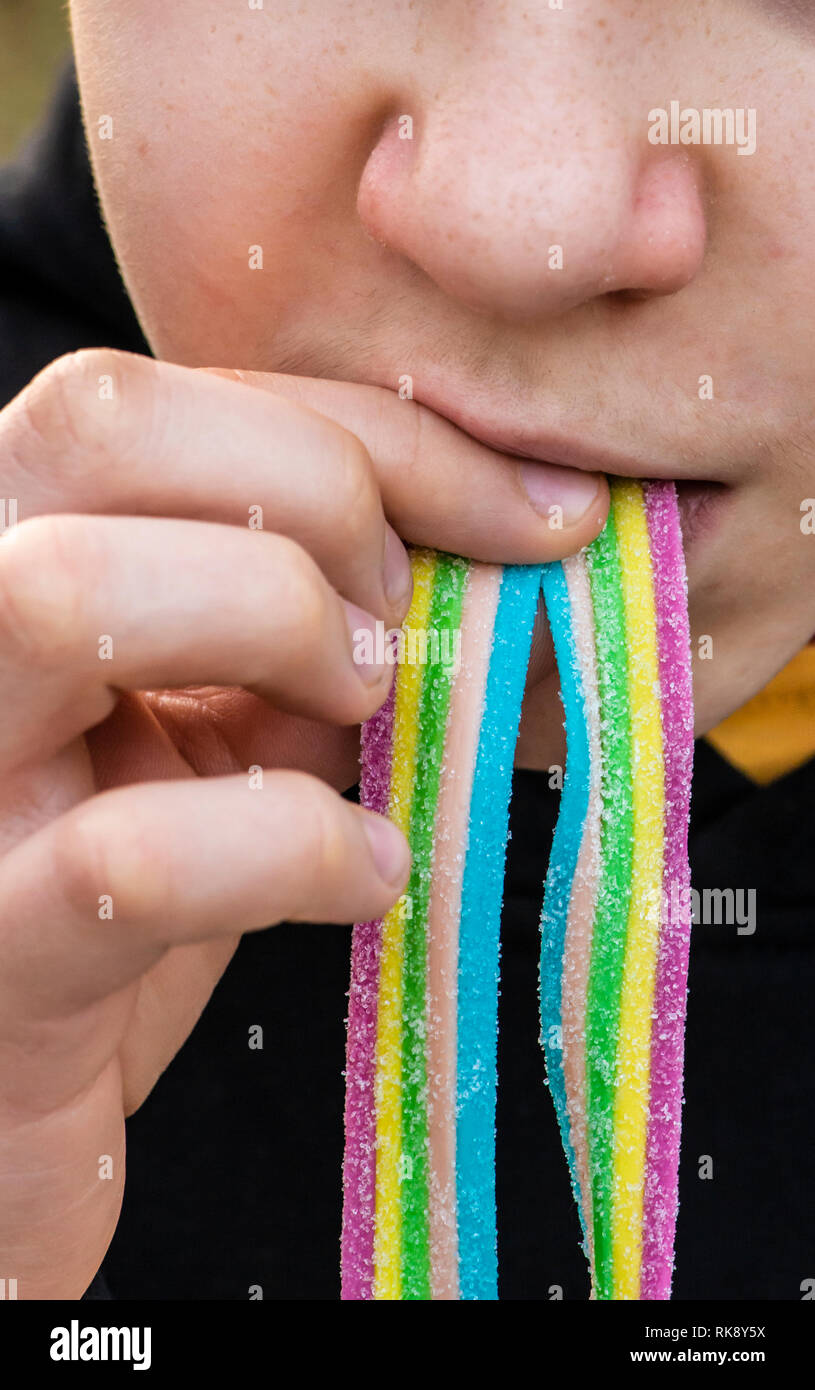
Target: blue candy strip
479	932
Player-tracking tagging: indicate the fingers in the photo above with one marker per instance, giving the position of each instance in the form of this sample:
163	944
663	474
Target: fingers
112	431
93	899
92	605
102	431
441	488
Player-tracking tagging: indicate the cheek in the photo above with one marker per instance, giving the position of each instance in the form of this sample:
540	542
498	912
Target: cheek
228	183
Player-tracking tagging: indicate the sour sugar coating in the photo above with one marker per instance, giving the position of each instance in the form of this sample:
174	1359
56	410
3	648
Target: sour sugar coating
419	1171
359	1175
563	861
614	956
668	1028
419	1217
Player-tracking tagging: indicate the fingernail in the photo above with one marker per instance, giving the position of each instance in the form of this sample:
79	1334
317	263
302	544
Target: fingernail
388	847
368	643
562	495
397	576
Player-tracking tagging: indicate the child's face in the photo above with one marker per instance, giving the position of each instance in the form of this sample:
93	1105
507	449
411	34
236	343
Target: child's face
685	269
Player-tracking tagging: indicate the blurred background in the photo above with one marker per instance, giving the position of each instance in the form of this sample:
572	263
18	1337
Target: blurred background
34	42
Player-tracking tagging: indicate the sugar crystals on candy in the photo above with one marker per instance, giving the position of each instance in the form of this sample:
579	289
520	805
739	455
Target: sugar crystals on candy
419	1170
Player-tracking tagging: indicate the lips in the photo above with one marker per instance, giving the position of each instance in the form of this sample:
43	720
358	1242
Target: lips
548	445
700	498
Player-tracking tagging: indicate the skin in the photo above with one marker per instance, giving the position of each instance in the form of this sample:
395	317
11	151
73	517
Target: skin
279	128
430	256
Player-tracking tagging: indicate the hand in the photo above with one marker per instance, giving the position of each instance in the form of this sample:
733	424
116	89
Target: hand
149	637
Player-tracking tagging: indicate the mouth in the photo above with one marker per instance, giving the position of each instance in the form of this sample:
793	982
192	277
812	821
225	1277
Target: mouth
700	505
700	499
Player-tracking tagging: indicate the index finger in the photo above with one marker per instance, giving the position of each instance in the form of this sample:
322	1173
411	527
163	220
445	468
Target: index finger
443	488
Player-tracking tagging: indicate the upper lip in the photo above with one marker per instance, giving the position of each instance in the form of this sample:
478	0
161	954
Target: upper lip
550	445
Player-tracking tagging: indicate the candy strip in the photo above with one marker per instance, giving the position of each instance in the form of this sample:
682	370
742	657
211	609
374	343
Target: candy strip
443	622
632	1089
577	948
614	888
452	737
360	1110
479	933
672	967
419	1172
563	857
389	1167
452	817
619	1101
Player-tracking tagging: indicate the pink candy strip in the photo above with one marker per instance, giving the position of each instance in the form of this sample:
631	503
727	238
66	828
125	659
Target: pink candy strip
360	1113
667	1039
584	893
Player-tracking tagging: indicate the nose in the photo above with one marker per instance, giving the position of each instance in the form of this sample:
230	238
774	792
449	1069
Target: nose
529	204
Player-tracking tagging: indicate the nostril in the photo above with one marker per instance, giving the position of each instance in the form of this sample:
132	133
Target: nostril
629	296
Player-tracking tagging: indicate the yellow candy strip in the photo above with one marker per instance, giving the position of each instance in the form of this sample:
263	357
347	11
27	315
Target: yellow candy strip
387	1224
632	1094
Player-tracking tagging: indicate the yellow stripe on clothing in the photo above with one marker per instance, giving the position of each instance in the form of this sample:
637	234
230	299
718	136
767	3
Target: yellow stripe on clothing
775	731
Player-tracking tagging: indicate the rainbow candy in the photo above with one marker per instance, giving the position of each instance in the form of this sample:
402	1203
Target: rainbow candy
419	1214
616	915
419	1172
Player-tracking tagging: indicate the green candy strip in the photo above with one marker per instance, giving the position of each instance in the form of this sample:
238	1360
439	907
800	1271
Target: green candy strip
444	622
614	890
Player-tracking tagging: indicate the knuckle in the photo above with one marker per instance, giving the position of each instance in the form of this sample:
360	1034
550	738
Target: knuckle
97	854
77	408
58	403
414	418
355	488
43	588
303	597
410	463
79	855
326	845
